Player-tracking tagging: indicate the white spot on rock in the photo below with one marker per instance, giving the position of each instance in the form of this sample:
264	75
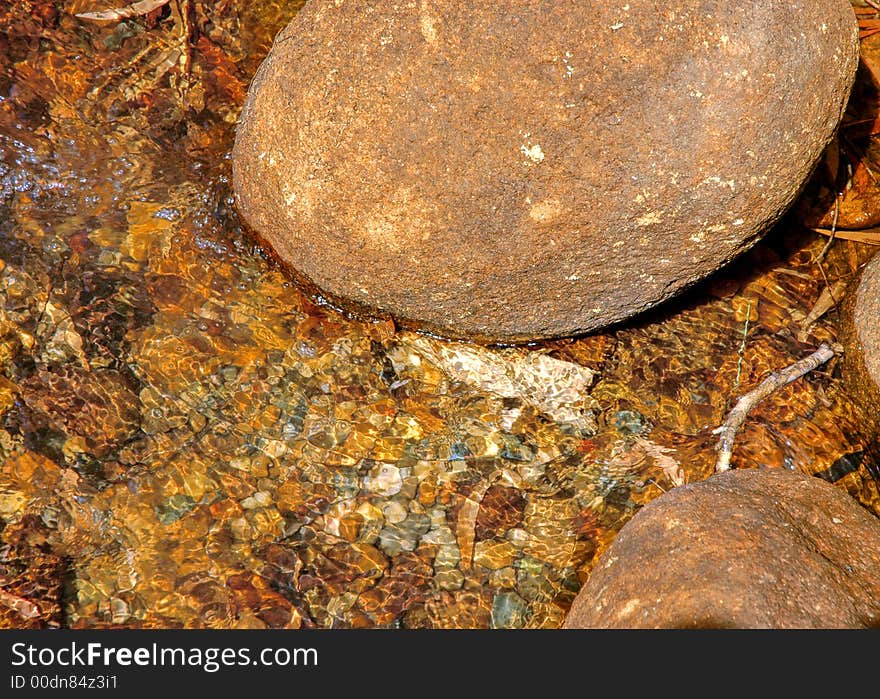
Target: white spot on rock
545	211
428	24
533	153
649	218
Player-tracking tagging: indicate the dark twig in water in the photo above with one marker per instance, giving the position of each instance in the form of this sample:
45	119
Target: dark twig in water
830	237
735	419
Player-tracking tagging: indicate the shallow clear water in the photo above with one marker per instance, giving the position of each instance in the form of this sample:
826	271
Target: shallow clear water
187	440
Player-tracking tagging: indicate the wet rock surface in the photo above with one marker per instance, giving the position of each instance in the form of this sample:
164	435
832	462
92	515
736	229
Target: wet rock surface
861	338
510	171
744	549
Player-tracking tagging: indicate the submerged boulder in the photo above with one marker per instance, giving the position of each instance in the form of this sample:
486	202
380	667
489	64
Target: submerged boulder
515	170
860	334
763	548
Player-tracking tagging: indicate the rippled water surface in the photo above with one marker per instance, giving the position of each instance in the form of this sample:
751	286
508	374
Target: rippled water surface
186	440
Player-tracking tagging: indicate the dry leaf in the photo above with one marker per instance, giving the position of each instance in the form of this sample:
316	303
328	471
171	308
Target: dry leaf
25	608
136	9
867	27
828	299
660	455
870	236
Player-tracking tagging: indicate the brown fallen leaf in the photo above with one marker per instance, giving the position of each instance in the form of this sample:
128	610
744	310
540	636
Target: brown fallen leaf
870	236
25	608
865	7
868	26
828	299
466	527
136	9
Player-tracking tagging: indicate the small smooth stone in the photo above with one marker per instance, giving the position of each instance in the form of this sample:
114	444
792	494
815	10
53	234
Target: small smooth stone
511	170
508	611
449	579
494	555
384	479
394	512
766	548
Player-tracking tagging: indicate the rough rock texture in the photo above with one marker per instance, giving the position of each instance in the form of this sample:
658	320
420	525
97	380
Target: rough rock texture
860	334
524	169
744	549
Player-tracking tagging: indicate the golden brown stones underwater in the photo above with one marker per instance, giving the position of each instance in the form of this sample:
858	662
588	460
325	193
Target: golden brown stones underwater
508	171
272	463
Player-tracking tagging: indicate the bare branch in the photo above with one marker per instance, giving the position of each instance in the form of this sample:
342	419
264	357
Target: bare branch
735	419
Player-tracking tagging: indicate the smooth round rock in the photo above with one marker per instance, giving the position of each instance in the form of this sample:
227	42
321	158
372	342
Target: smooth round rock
513	170
764	548
860	335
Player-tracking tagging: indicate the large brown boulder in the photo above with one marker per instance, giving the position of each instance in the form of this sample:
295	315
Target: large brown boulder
860	334
744	549
517	169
